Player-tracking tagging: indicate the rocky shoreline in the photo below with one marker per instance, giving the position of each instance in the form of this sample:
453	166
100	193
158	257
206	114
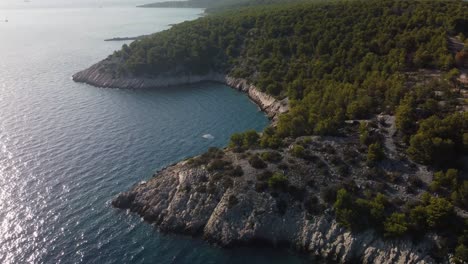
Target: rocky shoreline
97	76
232	210
187	200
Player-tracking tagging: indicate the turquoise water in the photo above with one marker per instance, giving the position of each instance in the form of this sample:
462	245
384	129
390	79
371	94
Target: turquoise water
66	149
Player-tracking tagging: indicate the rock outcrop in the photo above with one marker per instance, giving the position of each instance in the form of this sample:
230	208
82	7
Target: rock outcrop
197	197
100	76
188	200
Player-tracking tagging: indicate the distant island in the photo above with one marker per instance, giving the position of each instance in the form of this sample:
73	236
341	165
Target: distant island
214	5
181	4
126	38
366	158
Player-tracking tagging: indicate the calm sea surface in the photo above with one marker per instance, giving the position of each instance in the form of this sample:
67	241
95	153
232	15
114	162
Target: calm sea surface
66	149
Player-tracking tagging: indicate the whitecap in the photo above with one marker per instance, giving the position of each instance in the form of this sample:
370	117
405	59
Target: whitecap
208	136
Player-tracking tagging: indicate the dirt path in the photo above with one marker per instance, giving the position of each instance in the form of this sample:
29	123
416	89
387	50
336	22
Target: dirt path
387	123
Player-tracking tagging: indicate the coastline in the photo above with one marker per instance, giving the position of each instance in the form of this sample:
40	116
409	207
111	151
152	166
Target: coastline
233	213
96	76
230	212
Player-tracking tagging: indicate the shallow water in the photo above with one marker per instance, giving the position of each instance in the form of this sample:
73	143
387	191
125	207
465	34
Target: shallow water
66	149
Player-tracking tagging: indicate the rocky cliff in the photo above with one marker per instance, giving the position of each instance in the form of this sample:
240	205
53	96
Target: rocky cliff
231	211
100	76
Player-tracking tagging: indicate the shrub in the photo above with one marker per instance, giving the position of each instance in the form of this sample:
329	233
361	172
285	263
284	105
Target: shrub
395	225
374	154
451	176
298	151
460	195
350	186
246	140
237	171
447	179
364	136
205	158
418	218
429	150
438	212
271	156
344	209
461	254
377	208
329	193
405	116
273	142
250	139
306	141
218	164
434	186
256	162
278	181
237	141
439	141
264	176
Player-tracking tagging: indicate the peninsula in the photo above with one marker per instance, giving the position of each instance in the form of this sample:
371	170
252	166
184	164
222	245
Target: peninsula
366	157
214	5
125	38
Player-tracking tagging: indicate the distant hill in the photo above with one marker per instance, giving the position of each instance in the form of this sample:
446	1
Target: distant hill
214	5
181	4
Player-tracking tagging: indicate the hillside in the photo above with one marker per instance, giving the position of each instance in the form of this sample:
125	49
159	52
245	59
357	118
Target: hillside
374	145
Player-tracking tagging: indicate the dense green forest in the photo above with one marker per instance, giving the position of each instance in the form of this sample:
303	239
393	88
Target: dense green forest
335	61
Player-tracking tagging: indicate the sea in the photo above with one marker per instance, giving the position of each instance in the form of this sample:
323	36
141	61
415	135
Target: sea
66	149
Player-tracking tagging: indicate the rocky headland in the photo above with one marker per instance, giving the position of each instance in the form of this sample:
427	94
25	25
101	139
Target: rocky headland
227	200
99	75
229	208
